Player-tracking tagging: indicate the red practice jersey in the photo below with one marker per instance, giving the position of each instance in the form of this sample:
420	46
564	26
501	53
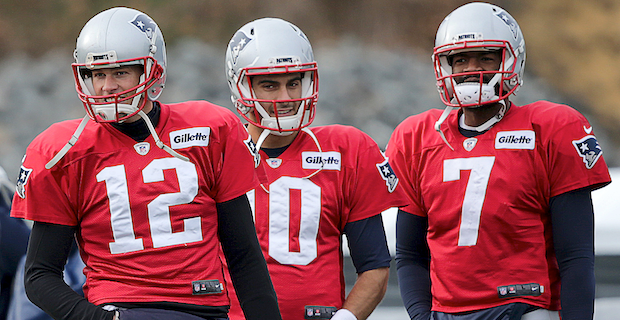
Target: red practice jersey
147	221
487	201
300	220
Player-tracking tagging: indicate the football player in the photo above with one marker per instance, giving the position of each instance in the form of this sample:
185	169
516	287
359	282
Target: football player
146	188
13	240
316	183
499	223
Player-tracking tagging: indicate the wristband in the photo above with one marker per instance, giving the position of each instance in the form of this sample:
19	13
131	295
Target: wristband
344	314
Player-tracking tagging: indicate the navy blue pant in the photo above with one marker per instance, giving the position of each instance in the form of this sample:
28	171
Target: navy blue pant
158	314
513	311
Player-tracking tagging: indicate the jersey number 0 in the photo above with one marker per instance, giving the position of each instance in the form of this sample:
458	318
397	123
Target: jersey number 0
280	219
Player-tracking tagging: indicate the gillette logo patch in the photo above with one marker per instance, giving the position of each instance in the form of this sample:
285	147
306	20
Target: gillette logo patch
522	139
192	137
321	160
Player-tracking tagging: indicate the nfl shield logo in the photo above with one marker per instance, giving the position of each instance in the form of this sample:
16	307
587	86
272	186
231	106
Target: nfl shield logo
142	148
274	162
470	143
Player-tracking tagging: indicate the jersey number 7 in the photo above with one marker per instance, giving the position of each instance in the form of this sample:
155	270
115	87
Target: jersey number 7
475	193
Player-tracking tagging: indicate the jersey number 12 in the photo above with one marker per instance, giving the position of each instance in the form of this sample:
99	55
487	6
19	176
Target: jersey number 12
158	210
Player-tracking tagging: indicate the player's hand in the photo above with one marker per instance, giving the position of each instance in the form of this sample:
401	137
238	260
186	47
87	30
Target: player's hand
344	314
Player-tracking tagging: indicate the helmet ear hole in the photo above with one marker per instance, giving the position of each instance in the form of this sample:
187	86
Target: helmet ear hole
85	73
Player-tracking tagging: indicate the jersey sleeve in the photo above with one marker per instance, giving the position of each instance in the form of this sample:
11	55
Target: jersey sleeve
52	187
236	173
575	158
400	155
375	186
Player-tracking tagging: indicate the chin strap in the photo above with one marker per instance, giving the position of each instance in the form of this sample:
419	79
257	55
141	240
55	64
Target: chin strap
81	127
483	127
261	139
307	130
158	142
316	141
442	118
69	144
259	142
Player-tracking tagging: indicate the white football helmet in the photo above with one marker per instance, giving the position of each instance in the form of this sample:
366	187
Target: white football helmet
479	27
271	46
113	38
118	37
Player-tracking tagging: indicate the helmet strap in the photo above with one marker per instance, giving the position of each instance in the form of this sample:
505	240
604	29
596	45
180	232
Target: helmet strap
442	118
70	143
158	142
262	137
316	142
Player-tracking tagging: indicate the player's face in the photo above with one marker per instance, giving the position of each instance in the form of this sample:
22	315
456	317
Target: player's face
114	80
108	81
472	61
278	87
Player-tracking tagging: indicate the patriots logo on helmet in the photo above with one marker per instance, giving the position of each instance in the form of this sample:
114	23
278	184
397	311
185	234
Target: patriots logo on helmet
237	44
22	179
391	181
145	24
588	149
509	21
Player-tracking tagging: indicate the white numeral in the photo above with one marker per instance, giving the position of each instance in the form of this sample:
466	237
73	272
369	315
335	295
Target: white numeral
120	211
280	217
475	193
158	209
